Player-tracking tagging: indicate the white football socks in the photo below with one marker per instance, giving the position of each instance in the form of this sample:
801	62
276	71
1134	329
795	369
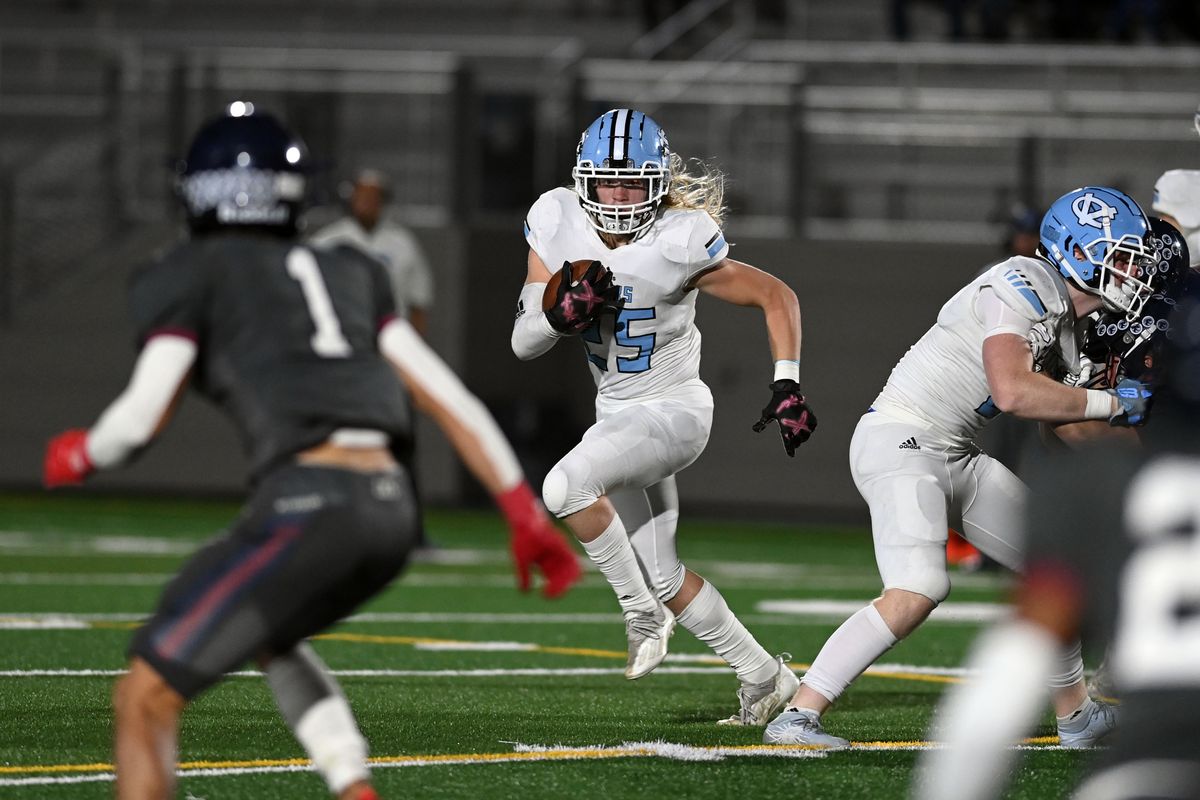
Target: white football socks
614	557
709	619
1070	667
853	647
333	742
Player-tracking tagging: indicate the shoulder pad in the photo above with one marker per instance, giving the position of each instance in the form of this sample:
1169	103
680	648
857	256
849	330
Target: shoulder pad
1029	286
545	215
691	238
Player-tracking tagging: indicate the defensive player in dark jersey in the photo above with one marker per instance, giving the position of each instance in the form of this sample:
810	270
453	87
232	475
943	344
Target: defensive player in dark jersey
304	352
1114	555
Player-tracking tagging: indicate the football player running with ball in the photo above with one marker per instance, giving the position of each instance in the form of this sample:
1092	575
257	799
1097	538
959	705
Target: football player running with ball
655	231
304	351
1004	343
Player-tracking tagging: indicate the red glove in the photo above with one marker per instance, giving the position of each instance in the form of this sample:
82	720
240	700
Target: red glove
67	462
535	540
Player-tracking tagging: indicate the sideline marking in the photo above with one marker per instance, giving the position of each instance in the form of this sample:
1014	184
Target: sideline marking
520	752
945	612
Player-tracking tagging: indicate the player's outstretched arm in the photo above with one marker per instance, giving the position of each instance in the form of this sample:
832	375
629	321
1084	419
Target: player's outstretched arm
1018	390
744	285
532	333
131	421
476	437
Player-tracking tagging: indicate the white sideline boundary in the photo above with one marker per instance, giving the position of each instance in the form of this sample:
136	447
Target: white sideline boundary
519	753
880	670
768	612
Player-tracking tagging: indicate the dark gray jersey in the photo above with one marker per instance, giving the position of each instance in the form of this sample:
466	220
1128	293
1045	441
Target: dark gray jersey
1121	529
286	337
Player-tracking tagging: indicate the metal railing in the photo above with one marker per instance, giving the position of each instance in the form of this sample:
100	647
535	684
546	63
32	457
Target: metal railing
872	140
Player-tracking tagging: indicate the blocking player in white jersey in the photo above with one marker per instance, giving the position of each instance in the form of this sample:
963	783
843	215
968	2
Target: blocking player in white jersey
652	231
1004	343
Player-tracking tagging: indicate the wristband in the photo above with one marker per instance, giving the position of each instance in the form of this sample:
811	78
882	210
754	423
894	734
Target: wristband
1099	404
789	370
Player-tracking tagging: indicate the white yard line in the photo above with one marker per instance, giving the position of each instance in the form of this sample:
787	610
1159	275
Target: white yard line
707	668
520	753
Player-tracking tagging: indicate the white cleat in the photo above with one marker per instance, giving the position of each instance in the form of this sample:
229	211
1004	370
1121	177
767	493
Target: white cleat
761	701
801	727
1089	728
1101	687
647	632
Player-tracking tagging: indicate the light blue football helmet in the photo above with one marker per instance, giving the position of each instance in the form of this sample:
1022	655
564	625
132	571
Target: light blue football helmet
1096	238
624	144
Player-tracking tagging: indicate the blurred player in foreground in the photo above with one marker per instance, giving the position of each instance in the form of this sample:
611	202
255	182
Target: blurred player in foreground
1114	555
1004	343
652	231
304	352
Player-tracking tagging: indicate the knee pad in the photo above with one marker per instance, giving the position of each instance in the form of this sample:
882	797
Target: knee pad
564	496
932	584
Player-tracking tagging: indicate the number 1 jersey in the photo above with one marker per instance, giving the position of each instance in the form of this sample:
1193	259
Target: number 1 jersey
286	337
654	346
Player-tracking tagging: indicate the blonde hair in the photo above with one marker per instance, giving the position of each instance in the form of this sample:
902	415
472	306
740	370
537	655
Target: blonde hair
703	190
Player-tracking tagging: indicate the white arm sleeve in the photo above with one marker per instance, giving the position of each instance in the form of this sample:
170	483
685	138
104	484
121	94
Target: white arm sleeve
403	346
532	334
131	420
998	316
981	720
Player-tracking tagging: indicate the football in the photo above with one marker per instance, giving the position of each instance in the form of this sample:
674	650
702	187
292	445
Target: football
577	270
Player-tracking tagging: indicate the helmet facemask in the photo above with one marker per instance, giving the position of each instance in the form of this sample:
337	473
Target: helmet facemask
1124	277
620	219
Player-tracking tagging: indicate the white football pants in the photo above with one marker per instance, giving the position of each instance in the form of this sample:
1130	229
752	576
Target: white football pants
912	479
631	455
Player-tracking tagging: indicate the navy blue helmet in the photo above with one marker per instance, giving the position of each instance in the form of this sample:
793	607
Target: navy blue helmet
244	168
1131	346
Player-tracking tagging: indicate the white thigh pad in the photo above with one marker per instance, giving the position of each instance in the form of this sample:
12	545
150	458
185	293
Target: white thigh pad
907	489
631	448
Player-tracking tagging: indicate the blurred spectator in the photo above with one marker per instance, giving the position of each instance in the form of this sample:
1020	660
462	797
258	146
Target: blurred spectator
1022	238
365	229
1126	17
394	246
955	23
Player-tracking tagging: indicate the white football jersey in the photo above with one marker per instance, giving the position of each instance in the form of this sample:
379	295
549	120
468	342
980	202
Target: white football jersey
941	379
657	347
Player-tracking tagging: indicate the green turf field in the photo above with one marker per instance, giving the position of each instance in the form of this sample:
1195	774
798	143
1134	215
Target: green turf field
465	687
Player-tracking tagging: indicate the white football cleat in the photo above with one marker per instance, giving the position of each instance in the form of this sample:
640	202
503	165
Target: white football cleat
1101	687
1090	727
761	701
801	726
647	632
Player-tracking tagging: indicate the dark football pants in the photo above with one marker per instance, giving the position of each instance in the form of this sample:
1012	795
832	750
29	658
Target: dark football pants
312	545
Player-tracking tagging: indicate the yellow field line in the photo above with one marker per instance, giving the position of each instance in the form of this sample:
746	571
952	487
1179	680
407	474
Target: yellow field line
454	758
364	638
367	638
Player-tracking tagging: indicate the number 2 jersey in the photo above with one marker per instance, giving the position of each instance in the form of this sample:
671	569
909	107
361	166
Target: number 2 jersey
941	379
1117	532
286	337
655	346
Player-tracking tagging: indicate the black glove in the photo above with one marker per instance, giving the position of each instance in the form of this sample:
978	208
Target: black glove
788	407
577	307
